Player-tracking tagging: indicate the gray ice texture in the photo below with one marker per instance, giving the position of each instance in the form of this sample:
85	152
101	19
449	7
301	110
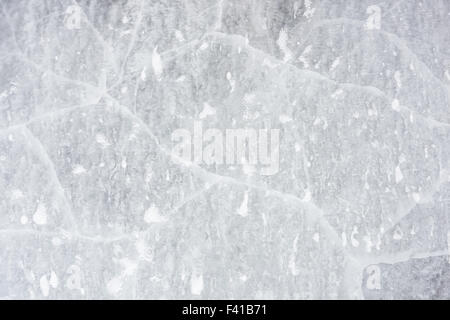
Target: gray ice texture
93	205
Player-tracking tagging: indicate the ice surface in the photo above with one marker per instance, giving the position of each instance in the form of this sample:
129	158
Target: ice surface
93	205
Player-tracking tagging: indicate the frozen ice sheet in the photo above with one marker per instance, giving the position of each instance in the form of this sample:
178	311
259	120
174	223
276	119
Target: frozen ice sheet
94	206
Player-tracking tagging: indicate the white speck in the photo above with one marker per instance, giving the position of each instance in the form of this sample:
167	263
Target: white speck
295	10
282	44
56	241
53	279
152	215
284	118
44	285
204	46
396	105
144	74
344	239
335	63
308	196
316	237
197	284
398	175
124	163
157	64
231	80
416	197
207	111
78	169
398	80
101	139
23	220
179	36
354	242
3	95
243	209
378	243
40	216
337	93
372	112
398	233
447	74
114	286
181	78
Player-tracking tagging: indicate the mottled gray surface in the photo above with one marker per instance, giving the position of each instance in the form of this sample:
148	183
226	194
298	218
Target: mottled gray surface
92	206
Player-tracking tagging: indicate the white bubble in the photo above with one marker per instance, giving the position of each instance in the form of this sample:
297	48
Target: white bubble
40	216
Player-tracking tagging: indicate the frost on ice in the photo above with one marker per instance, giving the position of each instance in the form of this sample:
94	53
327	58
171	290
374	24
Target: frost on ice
94	206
